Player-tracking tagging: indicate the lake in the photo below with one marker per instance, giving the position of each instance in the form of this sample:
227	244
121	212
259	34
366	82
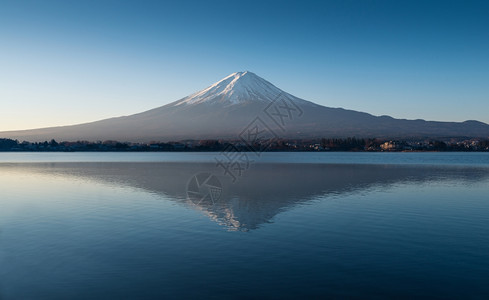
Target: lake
241	225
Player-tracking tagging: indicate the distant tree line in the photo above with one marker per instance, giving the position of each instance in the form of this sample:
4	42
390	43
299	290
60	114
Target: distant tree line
348	144
324	144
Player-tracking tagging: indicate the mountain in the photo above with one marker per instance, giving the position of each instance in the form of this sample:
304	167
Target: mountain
243	105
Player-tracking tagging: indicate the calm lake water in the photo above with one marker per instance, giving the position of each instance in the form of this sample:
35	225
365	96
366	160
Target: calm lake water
290	225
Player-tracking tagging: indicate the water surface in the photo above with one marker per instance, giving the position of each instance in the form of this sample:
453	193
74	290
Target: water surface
438	158
124	226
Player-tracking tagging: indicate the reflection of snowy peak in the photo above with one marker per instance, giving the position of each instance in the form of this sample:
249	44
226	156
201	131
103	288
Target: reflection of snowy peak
236	88
256	199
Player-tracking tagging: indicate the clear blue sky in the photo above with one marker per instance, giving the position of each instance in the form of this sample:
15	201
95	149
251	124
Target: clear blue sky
66	62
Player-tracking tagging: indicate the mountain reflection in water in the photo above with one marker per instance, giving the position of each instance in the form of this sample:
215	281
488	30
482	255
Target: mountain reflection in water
264	191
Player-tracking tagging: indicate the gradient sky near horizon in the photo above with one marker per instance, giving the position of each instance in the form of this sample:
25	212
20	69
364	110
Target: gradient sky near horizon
67	62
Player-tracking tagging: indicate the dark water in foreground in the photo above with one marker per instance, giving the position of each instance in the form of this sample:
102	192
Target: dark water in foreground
132	228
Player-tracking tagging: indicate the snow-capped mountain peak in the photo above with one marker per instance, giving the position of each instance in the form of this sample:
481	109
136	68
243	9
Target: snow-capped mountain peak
236	88
238	107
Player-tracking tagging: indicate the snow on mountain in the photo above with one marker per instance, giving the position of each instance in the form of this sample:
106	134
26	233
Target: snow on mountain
227	108
239	87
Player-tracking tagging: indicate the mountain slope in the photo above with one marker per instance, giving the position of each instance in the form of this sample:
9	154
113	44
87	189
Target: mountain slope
232	105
